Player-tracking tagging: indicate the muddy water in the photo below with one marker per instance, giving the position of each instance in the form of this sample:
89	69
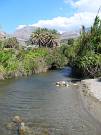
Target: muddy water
46	109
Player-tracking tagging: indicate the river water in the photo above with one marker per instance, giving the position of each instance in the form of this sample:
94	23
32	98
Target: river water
47	109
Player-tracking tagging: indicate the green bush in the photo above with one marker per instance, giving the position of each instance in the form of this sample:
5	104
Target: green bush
87	60
55	59
26	62
2	69
89	65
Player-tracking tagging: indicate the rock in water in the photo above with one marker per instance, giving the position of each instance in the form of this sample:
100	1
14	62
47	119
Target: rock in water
18	127
22	129
17	119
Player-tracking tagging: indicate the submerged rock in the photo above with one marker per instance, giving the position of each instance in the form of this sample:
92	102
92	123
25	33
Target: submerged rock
18	127
62	83
22	128
17	119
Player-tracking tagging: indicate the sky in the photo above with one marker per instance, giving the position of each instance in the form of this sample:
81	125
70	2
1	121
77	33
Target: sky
63	15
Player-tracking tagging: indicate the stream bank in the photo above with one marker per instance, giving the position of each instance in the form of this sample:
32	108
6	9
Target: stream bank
90	91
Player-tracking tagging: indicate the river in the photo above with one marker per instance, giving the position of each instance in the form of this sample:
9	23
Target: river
48	109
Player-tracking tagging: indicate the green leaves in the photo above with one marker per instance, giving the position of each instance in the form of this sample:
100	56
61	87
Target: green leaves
11	43
88	59
56	58
89	65
20	62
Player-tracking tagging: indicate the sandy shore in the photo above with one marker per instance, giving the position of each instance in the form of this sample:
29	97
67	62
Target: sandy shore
90	91
94	87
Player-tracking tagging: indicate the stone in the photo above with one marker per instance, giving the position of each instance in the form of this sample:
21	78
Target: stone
17	119
22	128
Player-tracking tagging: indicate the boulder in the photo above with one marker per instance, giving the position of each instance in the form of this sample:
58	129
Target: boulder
17	119
62	83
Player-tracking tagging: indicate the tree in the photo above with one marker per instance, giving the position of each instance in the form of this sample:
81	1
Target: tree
11	43
45	37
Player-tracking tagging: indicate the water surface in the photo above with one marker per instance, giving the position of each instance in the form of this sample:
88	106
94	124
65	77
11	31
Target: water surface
46	108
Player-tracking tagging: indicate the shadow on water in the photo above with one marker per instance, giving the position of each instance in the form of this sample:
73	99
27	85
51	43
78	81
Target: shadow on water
67	72
99	79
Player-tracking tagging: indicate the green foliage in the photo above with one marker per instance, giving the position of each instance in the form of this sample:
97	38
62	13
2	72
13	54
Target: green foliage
11	64
2	69
1	44
89	65
70	51
56	59
5	56
11	43
90	40
99	48
20	62
88	59
84	53
70	41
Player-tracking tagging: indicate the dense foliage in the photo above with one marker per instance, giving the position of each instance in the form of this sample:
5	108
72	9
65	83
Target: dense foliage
85	52
21	62
11	43
88	60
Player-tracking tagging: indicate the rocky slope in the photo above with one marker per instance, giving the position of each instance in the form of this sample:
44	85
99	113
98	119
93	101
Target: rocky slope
24	33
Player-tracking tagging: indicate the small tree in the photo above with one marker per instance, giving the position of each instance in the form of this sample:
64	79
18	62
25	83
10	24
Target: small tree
11	43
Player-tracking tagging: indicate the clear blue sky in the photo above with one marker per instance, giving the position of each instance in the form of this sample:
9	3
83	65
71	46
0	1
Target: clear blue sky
17	12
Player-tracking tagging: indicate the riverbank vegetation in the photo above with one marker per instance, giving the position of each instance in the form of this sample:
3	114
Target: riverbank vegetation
84	53
43	51
18	61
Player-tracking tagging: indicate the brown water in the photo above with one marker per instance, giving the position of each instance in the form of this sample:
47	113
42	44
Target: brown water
47	109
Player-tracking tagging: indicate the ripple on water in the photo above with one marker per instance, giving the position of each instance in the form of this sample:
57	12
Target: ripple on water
45	108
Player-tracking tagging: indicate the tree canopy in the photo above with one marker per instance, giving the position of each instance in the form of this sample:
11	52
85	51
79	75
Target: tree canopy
45	37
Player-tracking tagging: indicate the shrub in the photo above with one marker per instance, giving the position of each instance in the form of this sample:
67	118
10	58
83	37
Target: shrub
89	65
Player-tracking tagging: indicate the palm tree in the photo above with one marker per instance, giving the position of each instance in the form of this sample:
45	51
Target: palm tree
45	37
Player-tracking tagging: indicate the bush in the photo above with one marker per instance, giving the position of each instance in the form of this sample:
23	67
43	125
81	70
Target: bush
89	65
87	61
11	43
55	59
26	62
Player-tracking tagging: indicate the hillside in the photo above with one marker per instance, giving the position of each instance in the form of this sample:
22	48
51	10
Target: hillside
24	33
70	34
